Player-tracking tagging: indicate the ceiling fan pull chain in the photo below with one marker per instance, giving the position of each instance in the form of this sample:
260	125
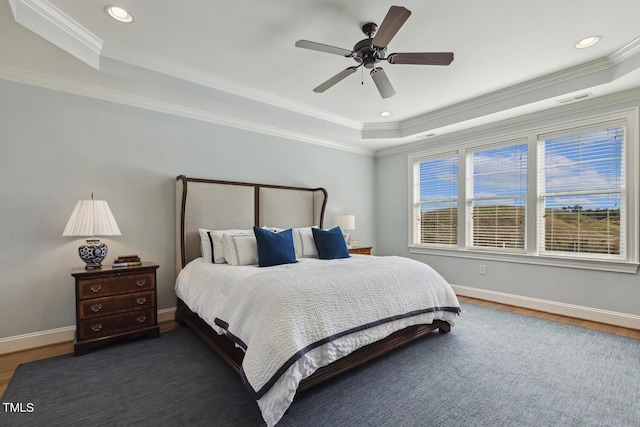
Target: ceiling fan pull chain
362	76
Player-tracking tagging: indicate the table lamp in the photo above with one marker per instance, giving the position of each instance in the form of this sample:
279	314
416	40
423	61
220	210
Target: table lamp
92	218
347	222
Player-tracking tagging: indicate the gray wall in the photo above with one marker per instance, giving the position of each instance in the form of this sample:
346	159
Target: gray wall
618	292
57	148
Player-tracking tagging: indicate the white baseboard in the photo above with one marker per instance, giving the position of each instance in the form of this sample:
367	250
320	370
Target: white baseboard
580	312
55	336
36	339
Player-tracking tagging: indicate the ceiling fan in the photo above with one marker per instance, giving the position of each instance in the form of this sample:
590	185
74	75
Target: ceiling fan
370	51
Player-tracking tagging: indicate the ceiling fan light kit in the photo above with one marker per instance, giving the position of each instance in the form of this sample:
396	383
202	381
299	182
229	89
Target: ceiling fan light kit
370	51
382	83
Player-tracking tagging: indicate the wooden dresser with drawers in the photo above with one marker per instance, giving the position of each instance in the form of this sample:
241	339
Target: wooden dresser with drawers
113	304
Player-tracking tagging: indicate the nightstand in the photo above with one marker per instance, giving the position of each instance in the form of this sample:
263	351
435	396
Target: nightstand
361	250
113	304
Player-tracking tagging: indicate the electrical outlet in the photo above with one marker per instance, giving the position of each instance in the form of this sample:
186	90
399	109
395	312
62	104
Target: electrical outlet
483	269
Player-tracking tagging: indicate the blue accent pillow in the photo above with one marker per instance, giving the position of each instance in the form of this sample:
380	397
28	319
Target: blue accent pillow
274	248
330	243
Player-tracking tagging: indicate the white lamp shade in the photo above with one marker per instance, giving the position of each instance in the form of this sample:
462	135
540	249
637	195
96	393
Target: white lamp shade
91	218
347	222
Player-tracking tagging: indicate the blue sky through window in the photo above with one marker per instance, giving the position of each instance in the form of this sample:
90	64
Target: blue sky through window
500	176
589	165
439	183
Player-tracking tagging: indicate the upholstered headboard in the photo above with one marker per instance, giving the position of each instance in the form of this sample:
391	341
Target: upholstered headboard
221	205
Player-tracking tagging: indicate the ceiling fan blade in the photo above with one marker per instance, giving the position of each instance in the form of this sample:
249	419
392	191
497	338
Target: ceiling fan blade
421	58
335	79
396	17
382	82
306	44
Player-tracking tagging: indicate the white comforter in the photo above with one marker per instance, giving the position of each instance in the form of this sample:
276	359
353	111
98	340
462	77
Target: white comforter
295	318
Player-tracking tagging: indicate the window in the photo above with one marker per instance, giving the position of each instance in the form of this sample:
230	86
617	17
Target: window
565	195
436	200
496	197
581	183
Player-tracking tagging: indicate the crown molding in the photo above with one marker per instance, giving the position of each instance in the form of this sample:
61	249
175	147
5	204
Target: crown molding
190	75
58	28
464	110
626	52
126	98
513	91
598	68
509	125
387	126
49	22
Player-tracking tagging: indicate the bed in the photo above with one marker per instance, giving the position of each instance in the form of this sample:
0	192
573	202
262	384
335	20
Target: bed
223	205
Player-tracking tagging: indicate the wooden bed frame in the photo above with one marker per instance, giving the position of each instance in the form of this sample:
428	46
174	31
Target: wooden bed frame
211	204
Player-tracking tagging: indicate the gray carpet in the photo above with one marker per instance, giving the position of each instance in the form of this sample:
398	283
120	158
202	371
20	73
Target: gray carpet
494	369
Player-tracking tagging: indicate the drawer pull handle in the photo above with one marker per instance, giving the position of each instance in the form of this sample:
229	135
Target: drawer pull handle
141	300
141	319
96	308
141	282
96	288
96	327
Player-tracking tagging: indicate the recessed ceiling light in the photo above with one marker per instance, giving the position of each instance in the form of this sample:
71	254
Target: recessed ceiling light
385	113
587	42
118	13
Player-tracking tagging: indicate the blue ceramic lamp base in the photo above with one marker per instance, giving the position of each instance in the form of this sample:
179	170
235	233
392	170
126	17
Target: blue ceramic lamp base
93	253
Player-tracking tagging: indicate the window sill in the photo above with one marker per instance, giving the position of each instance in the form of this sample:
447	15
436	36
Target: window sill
590	264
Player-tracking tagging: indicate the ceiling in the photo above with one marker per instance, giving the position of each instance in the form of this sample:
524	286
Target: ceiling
235	62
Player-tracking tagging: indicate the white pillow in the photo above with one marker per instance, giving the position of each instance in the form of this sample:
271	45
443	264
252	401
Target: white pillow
240	249
211	243
304	243
206	244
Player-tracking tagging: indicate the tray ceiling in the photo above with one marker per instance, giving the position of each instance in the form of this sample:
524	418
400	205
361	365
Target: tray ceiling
235	63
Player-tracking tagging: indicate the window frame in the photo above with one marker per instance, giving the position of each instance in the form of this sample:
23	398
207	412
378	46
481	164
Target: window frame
414	197
542	138
628	118
469	225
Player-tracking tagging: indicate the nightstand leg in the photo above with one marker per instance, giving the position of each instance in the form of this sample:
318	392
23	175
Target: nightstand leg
80	349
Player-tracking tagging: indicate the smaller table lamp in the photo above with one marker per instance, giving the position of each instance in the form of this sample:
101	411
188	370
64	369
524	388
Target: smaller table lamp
347	222
92	218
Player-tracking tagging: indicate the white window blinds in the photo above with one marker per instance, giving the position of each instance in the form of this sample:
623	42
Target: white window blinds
496	197
436	196
581	193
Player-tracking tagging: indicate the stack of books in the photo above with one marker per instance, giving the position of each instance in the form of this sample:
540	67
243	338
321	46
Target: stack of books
126	261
